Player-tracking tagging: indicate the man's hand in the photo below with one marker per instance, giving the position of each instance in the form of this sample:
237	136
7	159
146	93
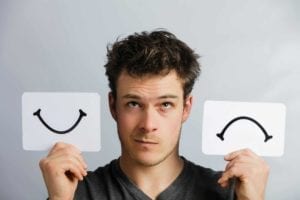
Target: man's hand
62	169
251	172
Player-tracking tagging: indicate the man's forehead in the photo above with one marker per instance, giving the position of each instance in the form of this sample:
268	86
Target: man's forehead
168	86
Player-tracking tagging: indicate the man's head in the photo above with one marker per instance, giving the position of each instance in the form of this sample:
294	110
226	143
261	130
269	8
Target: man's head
154	53
151	76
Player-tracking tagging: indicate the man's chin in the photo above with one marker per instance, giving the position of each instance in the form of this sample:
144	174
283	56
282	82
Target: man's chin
149	161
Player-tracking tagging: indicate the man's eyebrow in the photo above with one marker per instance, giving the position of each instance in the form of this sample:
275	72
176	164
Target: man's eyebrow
134	96
131	96
168	96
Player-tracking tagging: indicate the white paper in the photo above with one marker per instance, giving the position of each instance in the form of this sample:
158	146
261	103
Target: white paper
258	126
49	117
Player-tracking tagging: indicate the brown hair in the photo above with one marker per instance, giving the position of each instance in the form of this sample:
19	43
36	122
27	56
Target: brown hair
154	53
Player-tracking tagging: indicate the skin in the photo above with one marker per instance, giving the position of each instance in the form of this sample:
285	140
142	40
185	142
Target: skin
252	173
62	169
149	112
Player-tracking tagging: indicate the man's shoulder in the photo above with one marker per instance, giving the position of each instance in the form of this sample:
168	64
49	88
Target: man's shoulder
207	179
204	172
200	170
98	183
102	171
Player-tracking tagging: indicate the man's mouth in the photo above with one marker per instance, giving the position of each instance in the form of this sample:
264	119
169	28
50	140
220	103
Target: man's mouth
144	141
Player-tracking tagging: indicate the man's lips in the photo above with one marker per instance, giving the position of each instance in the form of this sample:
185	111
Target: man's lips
142	141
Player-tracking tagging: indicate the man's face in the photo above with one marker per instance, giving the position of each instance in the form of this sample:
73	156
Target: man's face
149	112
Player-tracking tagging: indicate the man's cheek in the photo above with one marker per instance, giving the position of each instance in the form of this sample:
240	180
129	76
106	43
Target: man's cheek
174	126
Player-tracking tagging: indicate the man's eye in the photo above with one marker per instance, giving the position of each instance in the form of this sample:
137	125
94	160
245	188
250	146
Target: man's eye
166	105
133	104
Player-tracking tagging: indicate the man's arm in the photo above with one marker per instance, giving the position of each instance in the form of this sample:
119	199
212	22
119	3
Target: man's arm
62	169
251	172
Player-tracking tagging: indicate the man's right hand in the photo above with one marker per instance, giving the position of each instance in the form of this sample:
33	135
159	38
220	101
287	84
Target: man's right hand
62	169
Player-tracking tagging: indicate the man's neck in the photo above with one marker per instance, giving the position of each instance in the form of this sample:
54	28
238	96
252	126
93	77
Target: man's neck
153	180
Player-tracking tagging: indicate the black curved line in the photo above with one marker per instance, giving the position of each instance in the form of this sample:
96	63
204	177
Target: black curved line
221	135
81	115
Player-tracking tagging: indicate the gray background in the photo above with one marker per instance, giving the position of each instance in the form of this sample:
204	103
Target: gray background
250	52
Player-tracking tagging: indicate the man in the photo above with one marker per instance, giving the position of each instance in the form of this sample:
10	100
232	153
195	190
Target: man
151	76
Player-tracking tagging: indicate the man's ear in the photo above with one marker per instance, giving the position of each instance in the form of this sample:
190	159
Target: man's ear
187	106
112	105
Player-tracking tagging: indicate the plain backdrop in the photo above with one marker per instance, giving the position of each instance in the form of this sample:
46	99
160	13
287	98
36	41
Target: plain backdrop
250	51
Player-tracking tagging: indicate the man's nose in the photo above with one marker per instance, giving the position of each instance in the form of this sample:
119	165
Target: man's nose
149	120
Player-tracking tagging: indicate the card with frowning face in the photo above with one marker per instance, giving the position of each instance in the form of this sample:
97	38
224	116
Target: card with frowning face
49	117
229	126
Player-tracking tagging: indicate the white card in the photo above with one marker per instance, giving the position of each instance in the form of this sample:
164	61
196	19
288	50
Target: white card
229	126
49	117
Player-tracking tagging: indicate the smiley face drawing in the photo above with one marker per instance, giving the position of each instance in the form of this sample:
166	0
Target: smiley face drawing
81	115
70	117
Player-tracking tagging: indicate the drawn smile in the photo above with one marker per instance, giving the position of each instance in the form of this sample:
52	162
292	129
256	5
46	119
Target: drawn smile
81	115
221	135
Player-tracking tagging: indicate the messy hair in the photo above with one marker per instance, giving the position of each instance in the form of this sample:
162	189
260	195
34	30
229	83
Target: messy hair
152	53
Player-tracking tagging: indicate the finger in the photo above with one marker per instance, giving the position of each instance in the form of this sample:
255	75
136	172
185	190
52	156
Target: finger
74	166
59	158
72	171
67	157
241	159
61	146
61	165
237	169
63	149
82	161
225	179
66	153
73	158
244	152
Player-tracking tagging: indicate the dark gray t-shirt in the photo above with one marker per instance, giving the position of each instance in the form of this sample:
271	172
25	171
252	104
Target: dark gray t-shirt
193	183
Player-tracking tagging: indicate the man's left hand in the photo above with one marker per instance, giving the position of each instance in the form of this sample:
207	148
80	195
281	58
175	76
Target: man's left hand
251	172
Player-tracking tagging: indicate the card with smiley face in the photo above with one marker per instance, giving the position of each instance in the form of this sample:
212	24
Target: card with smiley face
50	117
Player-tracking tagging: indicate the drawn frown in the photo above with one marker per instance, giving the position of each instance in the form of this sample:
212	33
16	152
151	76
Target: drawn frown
221	134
